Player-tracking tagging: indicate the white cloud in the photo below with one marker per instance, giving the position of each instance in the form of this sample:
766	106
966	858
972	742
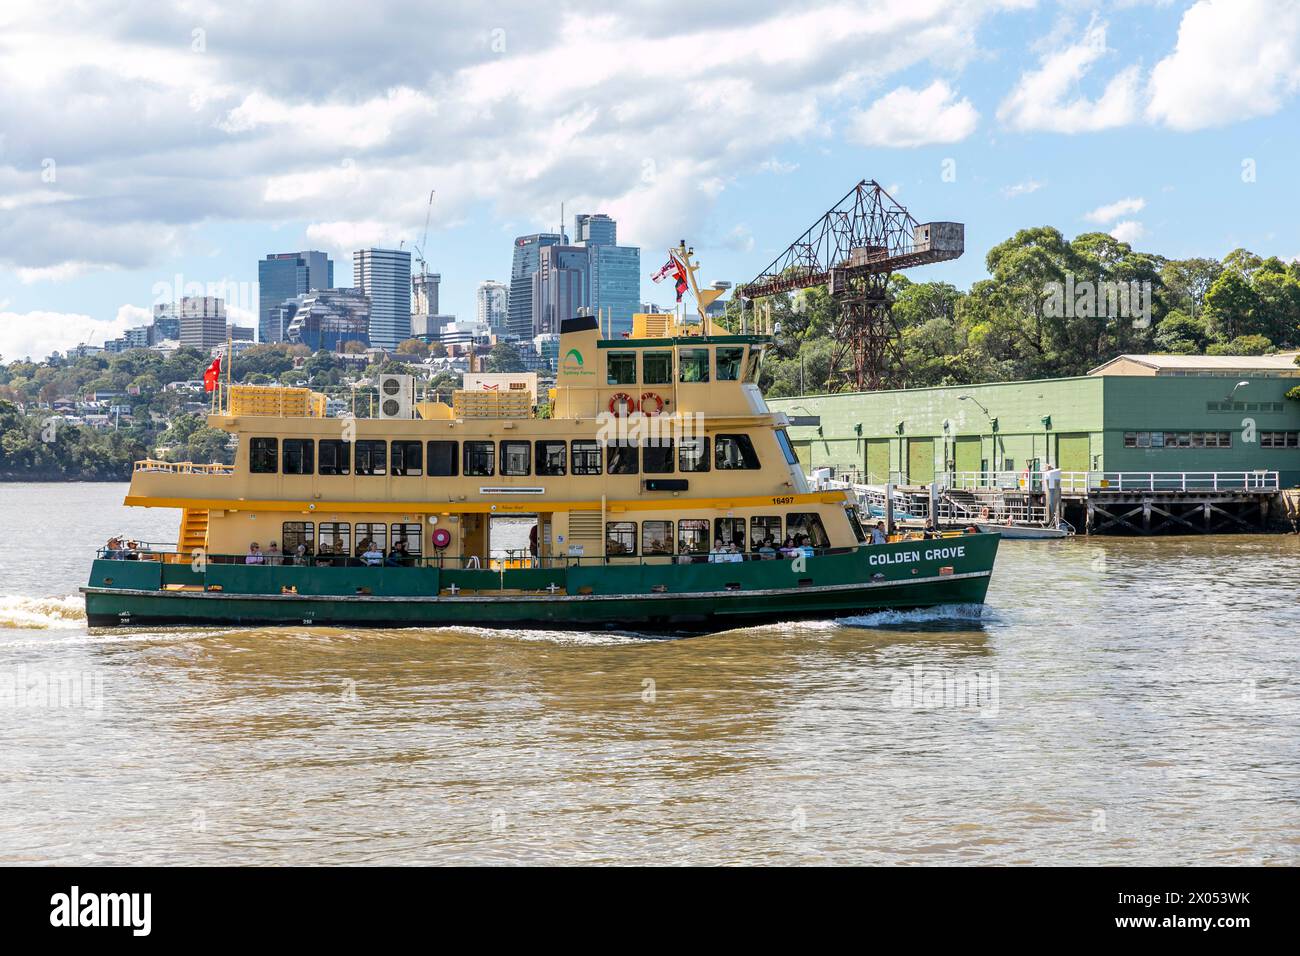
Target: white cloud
1112	211
1021	189
55	273
1235	59
1047	99
38	333
909	117
1128	231
344	237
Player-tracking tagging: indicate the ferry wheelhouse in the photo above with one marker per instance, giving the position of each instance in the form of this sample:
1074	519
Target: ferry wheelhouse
662	495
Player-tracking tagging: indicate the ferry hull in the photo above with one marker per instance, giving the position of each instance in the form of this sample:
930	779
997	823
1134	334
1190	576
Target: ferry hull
741	594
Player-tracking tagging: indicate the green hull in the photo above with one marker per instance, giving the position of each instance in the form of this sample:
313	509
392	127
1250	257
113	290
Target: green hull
634	597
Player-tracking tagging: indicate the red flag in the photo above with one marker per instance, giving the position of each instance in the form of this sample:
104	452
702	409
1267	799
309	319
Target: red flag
680	275
212	376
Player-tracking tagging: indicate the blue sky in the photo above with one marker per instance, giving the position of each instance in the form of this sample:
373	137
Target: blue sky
141	145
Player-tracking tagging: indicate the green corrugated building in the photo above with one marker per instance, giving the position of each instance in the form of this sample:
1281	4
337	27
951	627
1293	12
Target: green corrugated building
1138	413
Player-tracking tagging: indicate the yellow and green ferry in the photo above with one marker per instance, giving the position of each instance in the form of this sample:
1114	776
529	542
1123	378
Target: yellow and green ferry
664	496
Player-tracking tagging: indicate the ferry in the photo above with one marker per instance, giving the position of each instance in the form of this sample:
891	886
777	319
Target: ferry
660	493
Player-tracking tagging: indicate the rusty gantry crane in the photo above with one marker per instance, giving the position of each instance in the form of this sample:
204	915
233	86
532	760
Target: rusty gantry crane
853	249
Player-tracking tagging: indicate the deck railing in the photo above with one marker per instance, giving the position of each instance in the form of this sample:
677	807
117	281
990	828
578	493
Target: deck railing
183	467
1079	482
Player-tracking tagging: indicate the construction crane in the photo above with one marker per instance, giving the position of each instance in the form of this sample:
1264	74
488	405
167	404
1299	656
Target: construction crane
853	250
424	237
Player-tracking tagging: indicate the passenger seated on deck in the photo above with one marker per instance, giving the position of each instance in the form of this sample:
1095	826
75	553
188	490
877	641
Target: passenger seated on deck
878	535
399	556
300	556
113	549
255	555
372	556
719	553
789	549
765	550
273	555
805	546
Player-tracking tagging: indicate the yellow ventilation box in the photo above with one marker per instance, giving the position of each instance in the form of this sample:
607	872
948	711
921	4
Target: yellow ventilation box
273	401
467	403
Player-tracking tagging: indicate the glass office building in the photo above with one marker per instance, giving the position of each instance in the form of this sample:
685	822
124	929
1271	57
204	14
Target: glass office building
385	276
285	275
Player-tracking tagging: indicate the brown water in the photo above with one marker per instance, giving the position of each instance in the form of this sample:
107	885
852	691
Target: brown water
1120	701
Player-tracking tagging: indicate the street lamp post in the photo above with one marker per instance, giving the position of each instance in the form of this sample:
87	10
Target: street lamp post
993	426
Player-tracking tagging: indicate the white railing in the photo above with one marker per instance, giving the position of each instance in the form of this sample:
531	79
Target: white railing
183	467
1077	482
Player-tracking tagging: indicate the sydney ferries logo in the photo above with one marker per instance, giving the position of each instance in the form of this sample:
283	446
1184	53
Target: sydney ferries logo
572	364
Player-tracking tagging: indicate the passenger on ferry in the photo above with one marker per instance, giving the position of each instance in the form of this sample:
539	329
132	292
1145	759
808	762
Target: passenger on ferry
372	555
300	556
255	555
805	546
273	555
113	549
878	535
765	551
398	557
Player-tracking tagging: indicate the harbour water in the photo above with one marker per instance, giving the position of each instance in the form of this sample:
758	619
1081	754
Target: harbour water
1117	701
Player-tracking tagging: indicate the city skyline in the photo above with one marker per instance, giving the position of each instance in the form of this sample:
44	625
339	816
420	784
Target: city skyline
1006	114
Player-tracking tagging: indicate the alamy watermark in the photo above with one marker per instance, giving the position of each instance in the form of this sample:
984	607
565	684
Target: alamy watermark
931	688
1086	299
24	687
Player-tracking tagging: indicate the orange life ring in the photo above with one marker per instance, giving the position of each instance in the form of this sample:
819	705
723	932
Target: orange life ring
441	538
622	404
651	397
984	513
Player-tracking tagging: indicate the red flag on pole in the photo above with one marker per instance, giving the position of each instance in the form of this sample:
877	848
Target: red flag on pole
212	376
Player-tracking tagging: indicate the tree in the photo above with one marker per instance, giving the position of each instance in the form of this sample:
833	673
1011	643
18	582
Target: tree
414	347
1230	306
505	357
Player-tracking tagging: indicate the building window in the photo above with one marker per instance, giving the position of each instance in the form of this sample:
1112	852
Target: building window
657	368
586	457
409	536
299	456
443	461
516	458
693	454
621	458
262	453
620	538
657	457
765	528
371	535
693	536
335	457
734	452
656	537
550	458
695	365
295	534
1279	439
408	458
730	531
371	457
335	539
730	361
807	524
621	368
480	459
1178	440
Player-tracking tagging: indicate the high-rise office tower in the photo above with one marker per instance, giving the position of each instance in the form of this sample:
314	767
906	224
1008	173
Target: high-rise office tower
560	287
614	273
385	276
202	321
328	319
284	275
493	305
527	259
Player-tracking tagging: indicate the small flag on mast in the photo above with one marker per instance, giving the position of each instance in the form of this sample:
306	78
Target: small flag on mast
213	375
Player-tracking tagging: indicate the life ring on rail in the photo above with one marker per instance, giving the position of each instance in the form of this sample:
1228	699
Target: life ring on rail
622	404
441	538
984	513
656	398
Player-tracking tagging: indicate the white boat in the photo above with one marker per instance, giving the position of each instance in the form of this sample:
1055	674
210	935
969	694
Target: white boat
1026	531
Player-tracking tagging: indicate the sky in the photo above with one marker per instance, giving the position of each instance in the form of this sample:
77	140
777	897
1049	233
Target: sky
145	149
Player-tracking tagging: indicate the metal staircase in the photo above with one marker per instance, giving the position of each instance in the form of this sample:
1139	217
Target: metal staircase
194	530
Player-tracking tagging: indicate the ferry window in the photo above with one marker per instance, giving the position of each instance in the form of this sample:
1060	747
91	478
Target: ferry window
335	539
621	367
516	458
755	363
787	449
550	457
369	533
657	457
586	457
729	362
657	368
480	458
299	456
620	538
620	459
730	531
693	454
807	523
765	528
656	537
408	458
859	532
371	457
442	459
262	453
295	533
335	457
734	451
409	536
693	536
695	365
1279	439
